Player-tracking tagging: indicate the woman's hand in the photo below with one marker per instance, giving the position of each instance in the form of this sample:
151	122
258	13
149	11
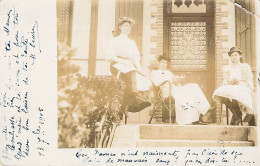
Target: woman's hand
180	76
123	61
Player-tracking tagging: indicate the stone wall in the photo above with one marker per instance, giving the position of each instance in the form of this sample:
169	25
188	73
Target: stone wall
157	28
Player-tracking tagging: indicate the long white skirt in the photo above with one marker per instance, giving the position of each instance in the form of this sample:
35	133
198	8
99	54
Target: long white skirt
190	102
241	93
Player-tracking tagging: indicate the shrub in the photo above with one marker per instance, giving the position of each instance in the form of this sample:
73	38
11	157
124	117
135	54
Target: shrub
83	100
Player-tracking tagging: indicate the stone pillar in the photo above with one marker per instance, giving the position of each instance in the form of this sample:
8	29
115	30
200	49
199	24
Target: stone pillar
157	28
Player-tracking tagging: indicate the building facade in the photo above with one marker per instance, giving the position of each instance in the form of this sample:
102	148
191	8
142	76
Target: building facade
195	34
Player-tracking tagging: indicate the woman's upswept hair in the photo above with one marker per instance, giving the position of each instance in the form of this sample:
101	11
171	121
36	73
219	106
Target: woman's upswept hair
238	50
123	20
120	22
163	57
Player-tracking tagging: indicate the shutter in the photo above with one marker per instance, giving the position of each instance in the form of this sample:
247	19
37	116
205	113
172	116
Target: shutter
64	21
245	32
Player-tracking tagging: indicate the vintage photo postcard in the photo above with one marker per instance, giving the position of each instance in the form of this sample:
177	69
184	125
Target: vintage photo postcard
129	82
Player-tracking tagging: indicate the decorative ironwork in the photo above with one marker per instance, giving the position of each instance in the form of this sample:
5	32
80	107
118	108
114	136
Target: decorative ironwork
178	3
198	2
188	3
188	6
188	45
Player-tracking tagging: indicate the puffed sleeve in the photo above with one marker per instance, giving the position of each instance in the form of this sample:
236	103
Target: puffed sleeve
249	76
226	72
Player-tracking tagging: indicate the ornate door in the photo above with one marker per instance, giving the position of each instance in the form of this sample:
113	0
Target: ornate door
189	41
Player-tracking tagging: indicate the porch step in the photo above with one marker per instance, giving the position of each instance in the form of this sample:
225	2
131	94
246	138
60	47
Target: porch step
191	143
194	132
164	135
126	136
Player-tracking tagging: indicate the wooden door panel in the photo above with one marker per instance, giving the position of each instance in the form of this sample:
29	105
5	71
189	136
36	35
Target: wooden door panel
189	43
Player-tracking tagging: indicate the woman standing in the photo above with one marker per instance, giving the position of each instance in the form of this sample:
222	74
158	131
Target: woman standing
237	86
125	62
125	57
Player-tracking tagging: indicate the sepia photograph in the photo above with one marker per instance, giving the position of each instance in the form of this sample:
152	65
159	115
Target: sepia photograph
157	73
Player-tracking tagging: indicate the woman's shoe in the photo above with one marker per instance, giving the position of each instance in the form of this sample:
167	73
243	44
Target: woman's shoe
232	122
213	108
237	122
250	118
207	118
196	123
202	120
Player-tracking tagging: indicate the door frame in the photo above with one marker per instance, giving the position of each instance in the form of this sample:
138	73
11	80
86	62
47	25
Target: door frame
209	18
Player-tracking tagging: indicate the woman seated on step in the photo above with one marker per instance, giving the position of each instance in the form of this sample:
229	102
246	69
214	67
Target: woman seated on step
125	63
190	102
237	86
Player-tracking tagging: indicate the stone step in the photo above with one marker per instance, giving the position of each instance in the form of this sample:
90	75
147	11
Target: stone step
164	135
189	143
126	136
194	132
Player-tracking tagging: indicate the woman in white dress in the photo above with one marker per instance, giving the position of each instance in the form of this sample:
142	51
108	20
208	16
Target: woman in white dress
237	86
125	61
190	102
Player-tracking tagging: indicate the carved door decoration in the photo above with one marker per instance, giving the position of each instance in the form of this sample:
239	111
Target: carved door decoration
188	49
189	41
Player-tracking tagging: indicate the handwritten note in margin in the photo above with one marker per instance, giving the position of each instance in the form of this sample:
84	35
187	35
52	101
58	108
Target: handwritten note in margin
27	47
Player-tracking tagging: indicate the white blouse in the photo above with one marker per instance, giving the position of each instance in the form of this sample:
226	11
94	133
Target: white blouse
241	73
123	47
160	76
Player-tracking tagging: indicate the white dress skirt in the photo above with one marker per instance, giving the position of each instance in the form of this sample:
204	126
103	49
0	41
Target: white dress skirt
241	93
190	102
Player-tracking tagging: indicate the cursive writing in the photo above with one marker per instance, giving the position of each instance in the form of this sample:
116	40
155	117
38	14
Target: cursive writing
39	131
21	47
202	156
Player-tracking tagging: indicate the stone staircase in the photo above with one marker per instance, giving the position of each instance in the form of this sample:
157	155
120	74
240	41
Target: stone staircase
164	135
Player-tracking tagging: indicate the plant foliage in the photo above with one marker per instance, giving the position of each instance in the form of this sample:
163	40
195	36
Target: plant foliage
83	100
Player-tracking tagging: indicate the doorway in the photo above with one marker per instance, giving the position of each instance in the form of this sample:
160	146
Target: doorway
189	41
